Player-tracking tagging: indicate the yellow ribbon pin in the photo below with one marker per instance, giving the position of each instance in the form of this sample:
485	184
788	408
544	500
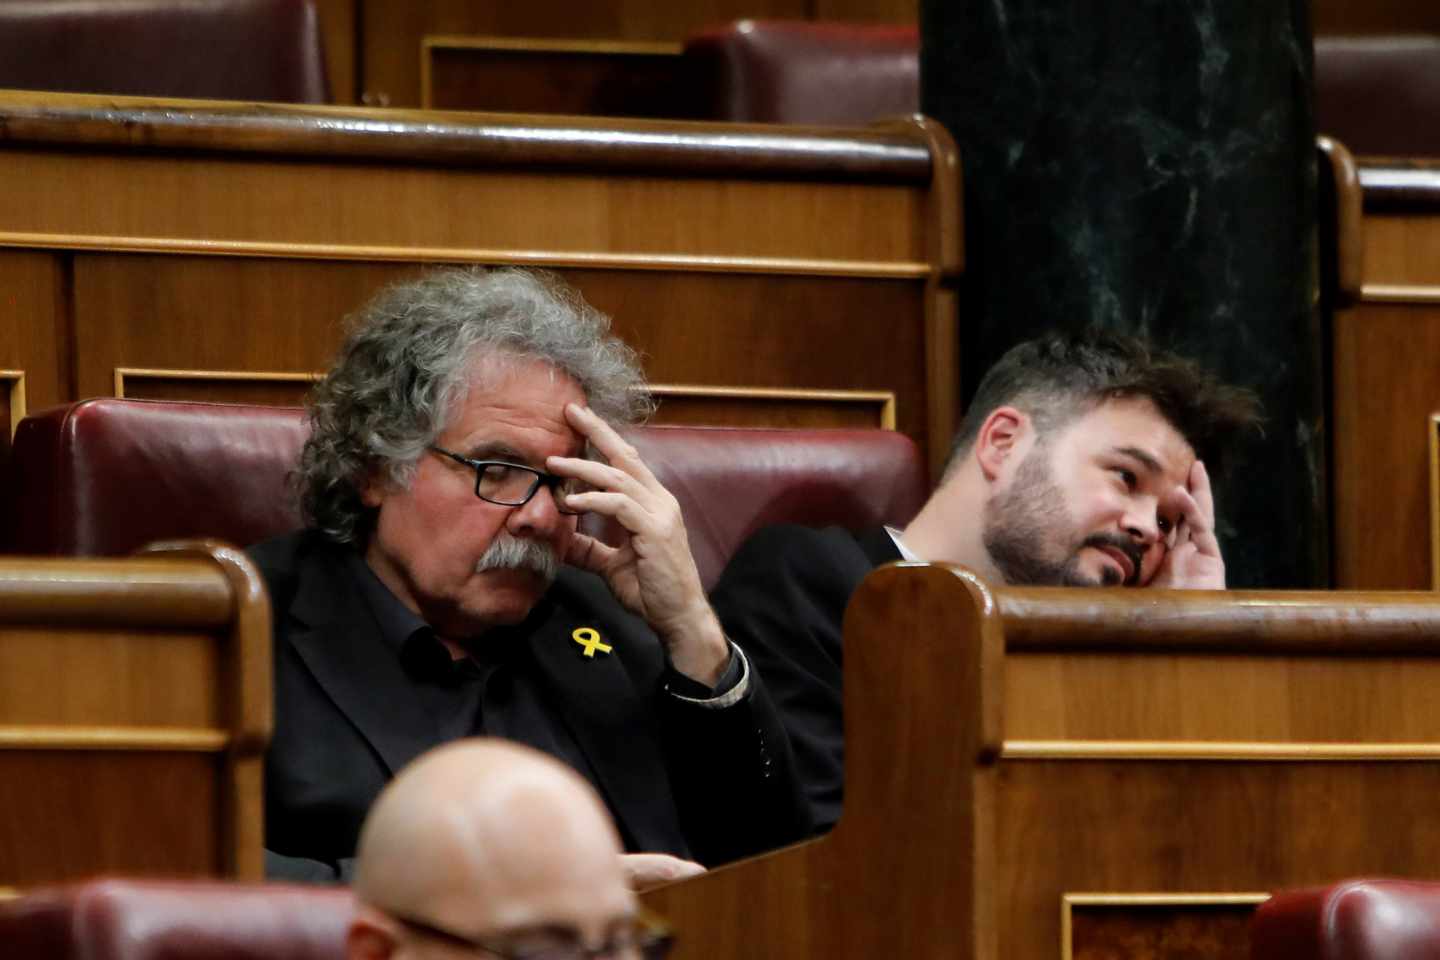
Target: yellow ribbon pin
589	638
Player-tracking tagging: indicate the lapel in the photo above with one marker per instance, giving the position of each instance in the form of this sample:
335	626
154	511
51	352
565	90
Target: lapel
877	546
337	638
611	718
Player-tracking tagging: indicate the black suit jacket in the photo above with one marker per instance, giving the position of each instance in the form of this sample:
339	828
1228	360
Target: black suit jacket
682	779
782	599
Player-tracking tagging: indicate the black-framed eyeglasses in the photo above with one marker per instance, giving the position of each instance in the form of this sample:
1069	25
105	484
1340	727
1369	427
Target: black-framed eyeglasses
512	485
644	938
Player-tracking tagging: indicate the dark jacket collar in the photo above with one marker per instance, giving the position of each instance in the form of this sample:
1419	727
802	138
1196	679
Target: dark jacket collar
610	719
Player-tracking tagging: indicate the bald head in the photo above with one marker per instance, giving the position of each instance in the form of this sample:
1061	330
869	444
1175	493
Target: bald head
485	836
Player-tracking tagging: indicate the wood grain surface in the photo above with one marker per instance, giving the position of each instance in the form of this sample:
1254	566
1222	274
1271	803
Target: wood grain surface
135	707
1386	385
233	239
956	841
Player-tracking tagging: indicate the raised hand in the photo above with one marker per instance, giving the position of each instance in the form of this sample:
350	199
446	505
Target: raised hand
653	573
1193	561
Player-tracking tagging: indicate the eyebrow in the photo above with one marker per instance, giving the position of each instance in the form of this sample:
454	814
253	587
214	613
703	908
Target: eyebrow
1142	457
496	450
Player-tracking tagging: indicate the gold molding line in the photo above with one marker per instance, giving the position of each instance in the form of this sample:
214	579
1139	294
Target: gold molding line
680	262
448	41
1399	293
17	396
1215	750
9	893
1435	501
257	376
885	399
176	739
1069	901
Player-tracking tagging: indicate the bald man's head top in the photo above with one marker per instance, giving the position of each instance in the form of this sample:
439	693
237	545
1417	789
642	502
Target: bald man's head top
485	836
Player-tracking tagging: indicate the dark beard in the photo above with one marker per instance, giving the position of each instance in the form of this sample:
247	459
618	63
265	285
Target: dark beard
1020	522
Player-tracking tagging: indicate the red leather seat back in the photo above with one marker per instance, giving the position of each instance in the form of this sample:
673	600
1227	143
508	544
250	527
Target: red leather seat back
1379	95
148	920
103	477
218	49
732	481
1353	920
776	71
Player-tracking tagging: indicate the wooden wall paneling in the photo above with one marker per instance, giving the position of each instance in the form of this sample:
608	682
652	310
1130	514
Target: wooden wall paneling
1160	832
274	209
391	30
724	331
339	26
530	75
128	690
1375	16
1435	501
1156	926
34	339
99	815
232	243
221	314
266	388
945	252
1386	387
758	406
866	11
1386	384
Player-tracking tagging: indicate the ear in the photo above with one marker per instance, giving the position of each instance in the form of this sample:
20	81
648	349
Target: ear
1003	434
369	938
374	488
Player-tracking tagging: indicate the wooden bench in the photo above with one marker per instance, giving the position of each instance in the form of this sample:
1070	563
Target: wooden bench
1385	360
135	709
208	250
1034	773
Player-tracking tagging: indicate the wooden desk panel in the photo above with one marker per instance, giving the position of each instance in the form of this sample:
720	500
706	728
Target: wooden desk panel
585	77
226	241
960	838
1386	383
391	30
135	707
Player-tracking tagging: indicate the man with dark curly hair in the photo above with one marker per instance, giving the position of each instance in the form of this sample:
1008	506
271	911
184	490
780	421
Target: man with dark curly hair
442	590
1083	461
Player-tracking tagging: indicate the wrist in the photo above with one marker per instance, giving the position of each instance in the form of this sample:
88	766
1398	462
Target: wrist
697	646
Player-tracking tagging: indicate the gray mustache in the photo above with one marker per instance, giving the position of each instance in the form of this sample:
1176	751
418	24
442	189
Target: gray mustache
517	553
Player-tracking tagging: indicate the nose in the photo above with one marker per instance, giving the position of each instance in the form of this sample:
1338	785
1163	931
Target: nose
538	517
1141	521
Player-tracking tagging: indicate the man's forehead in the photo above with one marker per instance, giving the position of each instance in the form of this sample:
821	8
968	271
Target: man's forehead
1133	426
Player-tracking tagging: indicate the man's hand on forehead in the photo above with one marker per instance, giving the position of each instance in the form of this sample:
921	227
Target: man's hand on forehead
1192	559
653	573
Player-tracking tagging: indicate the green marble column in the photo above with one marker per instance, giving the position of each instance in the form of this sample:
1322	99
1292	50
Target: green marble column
1150	166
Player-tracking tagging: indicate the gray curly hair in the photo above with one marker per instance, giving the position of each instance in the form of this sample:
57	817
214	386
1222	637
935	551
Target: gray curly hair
407	362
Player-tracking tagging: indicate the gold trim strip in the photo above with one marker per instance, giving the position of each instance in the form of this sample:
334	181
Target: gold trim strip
17	397
183	739
1212	750
1098	899
1399	293
885	399
1435	501
1069	901
9	893
450	41
259	376
684	262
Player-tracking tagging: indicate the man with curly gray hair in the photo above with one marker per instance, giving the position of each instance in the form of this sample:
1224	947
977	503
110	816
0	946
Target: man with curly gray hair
442	588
